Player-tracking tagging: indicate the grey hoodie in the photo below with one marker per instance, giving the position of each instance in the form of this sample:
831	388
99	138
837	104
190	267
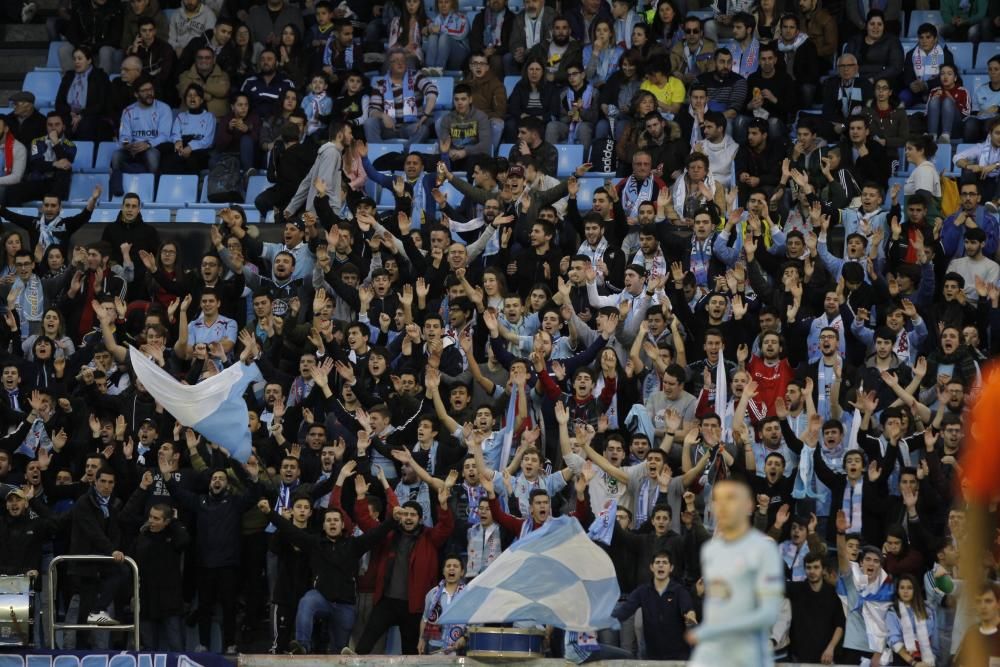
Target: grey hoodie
327	167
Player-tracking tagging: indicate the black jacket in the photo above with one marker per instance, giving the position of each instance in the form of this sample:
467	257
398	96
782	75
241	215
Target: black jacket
334	562
142	237
159	558
67	227
93	533
21	538
517	103
98	94
219	521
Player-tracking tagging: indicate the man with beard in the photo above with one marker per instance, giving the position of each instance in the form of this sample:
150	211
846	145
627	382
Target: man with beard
402	104
220	40
531	143
607	259
817	615
661	139
758	163
267	88
145	130
777	100
559	53
158	58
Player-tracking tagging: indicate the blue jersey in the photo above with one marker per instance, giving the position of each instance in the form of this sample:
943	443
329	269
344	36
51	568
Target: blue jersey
744	587
151	124
196	130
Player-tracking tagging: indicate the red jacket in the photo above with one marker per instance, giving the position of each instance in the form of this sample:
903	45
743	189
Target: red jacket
424	571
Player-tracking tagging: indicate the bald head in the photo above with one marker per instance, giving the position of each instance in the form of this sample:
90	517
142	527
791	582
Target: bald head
131	69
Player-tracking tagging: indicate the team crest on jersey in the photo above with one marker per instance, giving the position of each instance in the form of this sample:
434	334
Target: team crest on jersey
718	589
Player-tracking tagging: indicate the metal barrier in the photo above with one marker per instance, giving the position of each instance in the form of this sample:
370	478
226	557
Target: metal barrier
51	603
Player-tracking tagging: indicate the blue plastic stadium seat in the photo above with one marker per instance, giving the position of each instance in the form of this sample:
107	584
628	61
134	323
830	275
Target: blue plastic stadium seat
52	61
84	158
375	151
962	51
102	159
942	159
973	81
503	150
177	189
919	17
585	197
253	215
202	215
44	86
429	149
984	52
156	215
446	88
104	215
255	186
82	185
509	82
570	157
140	184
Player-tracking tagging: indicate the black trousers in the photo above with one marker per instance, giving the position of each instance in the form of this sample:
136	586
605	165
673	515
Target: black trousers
217	585
385	614
57	184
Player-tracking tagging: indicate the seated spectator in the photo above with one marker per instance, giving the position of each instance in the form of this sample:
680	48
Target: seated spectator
668	89
879	54
662	140
193	135
692	115
619	91
447	43
50	165
857	14
821	28
13	159
947	106
401	104
718	146
293	61
582	16
191	21
579	110
317	105
158	58
220	40
406	32
963	20
465	132
317	36
143	136
844	94
487	91
982	162
531	28
533	97
141	9
744	46
339	54
985	103
210	77
265	88
530	143
559	53
887	119
123	88
491	33
237	133
773	93
667	24
247	53
695	55
727	90
270	128
600	58
25	121
626	18
801	59
922	65
97	26
266	21
83	96
351	106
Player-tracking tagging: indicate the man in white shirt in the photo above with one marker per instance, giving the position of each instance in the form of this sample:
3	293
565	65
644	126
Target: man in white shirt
974	264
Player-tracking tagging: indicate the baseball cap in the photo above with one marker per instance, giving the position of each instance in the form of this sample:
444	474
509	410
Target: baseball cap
23	96
515	171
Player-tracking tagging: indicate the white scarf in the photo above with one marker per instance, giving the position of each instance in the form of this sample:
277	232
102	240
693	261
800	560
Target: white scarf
47	230
612	411
644	501
680	191
634	194
786	48
595	254
915	636
927	65
656	267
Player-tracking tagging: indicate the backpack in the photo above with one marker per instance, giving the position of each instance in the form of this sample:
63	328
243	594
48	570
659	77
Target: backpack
225	183
602	156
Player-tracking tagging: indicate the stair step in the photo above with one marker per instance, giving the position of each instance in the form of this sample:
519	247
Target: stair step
15	63
15	33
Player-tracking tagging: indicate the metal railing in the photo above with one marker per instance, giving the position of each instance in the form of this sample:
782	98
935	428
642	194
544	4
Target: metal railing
51	603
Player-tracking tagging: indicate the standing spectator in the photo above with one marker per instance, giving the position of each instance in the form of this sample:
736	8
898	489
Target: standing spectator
817	615
130	229
267	19
96	25
145	127
83	95
192	20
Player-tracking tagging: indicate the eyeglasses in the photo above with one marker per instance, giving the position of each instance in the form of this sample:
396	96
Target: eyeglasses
474	63
574	73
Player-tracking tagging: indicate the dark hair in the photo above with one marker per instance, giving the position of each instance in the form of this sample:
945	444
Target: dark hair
926	144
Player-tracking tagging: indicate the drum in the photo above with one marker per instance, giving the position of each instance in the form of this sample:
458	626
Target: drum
509	643
16	611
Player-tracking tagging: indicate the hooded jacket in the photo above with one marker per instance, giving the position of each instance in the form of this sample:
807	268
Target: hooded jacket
219	520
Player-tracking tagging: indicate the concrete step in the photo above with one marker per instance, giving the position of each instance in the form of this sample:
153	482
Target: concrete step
18	62
15	34
5	98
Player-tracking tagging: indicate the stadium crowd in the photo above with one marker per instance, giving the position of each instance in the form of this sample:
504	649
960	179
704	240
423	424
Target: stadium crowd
775	280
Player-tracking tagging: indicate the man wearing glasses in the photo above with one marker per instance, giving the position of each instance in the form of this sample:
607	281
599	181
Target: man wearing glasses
844	94
579	110
488	93
693	55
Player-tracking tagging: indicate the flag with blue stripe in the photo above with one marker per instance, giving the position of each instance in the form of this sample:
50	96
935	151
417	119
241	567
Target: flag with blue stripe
603	527
554	576
214	408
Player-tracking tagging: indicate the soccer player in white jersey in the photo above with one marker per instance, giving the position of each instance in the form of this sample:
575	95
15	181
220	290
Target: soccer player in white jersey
744	585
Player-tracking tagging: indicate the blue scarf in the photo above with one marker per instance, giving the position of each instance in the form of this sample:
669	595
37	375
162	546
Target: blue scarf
588	96
103	503
410	109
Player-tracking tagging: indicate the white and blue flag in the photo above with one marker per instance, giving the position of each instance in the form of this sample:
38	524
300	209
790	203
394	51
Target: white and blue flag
554	576
214	408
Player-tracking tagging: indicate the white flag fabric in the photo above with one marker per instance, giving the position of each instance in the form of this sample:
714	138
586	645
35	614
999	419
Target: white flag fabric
214	408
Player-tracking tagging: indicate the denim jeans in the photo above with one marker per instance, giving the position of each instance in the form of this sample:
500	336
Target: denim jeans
376	131
146	162
443	51
340	619
942	116
163	635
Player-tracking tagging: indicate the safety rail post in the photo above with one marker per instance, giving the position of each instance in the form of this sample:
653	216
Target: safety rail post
51	601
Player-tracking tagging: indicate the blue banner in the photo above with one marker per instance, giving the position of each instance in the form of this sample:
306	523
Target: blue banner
41	658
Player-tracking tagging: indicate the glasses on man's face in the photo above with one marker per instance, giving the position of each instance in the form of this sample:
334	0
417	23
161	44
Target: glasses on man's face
574	73
478	63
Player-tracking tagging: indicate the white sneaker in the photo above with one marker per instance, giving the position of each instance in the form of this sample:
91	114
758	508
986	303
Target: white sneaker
101	618
28	12
347	650
231	650
200	649
945	138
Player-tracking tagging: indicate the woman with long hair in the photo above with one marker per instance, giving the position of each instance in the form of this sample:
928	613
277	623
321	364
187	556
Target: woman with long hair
948	105
631	125
667	24
911	625
890	126
407	31
247	51
534	96
54	328
12	244
494	288
169	262
601	56
292	59
768	19
617	93
920	152
270	128
52	263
